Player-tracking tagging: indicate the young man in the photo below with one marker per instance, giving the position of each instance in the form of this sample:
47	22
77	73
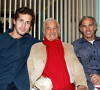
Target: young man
15	46
87	50
54	65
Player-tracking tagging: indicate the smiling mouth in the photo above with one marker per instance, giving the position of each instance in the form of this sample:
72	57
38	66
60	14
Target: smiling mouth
51	35
88	32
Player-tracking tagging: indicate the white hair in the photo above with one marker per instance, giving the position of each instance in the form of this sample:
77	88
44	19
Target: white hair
49	20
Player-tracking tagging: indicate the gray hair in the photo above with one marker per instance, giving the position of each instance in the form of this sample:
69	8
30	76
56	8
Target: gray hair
49	20
94	22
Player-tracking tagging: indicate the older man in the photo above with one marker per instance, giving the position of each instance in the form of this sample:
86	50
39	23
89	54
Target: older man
54	65
87	50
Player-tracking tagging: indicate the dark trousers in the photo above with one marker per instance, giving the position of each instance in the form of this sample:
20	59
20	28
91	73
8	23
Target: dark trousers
11	86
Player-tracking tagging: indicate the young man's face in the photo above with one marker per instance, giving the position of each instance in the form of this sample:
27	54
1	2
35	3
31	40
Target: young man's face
51	30
22	25
88	29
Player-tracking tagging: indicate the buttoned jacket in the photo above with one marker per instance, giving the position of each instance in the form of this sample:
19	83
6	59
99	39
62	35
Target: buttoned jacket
37	61
88	55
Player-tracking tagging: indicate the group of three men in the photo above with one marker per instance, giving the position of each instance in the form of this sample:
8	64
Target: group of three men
52	64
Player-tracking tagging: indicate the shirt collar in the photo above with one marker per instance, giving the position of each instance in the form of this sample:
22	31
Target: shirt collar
84	40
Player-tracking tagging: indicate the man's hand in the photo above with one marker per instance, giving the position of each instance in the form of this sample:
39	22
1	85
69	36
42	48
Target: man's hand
81	87
95	79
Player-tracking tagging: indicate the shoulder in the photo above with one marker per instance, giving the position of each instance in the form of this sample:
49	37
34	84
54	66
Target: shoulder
76	41
35	40
3	36
97	38
67	46
32	40
38	46
38	50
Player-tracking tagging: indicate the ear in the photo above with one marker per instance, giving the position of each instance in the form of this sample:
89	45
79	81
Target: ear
43	32
14	21
80	29
95	27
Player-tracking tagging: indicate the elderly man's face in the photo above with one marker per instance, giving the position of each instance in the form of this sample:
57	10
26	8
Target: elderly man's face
51	30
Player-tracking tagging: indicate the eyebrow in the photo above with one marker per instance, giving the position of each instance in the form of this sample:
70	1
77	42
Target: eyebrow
52	26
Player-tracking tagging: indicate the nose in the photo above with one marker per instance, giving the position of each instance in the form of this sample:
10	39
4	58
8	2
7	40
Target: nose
87	27
23	24
52	30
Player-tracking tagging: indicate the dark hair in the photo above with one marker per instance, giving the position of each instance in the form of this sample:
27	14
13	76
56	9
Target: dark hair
85	17
24	10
